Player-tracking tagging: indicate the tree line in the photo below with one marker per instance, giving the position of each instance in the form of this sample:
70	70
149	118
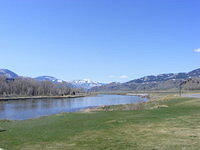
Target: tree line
192	84
31	87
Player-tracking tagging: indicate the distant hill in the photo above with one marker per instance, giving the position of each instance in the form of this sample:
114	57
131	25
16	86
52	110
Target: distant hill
152	82
192	84
7	73
169	76
11	86
54	80
48	78
85	83
80	84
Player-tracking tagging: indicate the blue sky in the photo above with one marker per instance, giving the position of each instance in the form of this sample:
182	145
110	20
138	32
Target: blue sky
105	40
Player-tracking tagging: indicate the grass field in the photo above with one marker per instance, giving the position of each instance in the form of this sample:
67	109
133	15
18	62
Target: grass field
175	126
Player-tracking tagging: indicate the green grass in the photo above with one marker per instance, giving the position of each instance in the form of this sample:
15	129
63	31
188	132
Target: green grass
174	127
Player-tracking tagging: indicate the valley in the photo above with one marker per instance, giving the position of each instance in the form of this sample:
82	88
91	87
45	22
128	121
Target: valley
165	122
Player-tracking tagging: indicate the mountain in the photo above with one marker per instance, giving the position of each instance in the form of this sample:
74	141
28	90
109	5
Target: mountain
85	83
152	82
7	73
54	80
48	78
195	73
169	76
161	77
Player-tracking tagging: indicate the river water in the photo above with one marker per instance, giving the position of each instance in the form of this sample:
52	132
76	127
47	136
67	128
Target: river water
34	108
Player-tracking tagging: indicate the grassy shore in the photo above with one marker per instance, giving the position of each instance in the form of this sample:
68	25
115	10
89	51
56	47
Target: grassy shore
163	123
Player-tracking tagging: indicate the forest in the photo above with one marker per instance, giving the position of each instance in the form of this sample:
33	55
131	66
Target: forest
30	87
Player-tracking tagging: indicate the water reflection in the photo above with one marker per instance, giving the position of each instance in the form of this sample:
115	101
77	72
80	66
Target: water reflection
33	108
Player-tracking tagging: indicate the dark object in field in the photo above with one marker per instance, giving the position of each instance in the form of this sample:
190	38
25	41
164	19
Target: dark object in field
2	130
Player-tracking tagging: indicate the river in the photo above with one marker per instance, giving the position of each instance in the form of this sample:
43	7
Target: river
34	108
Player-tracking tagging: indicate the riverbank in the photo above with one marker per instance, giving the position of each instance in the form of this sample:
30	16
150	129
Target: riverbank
43	97
153	102
167	123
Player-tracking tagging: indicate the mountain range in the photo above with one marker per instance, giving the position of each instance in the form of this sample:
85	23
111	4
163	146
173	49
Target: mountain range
152	82
84	84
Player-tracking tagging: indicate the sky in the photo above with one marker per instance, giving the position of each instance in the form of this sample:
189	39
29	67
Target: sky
104	40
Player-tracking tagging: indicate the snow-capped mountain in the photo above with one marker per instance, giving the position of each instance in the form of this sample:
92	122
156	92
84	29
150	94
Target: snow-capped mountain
85	83
7	73
152	82
48	78
168	76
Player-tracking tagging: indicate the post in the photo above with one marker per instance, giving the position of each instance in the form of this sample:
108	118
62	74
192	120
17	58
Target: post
180	89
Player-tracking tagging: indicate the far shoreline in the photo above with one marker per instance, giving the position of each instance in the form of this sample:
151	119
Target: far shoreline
67	96
43	97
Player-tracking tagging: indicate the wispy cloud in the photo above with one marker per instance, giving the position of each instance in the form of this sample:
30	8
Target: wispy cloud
123	77
111	76
118	77
197	50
